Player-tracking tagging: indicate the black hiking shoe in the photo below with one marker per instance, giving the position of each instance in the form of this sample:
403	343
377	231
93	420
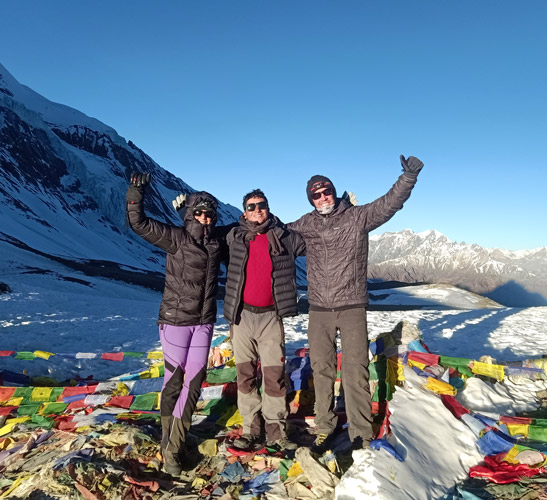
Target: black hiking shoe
171	463
249	442
282	444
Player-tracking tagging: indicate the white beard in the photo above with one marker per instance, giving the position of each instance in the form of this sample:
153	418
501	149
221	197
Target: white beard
326	209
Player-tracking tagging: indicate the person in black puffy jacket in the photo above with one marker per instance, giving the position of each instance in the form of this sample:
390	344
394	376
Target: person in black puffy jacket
188	308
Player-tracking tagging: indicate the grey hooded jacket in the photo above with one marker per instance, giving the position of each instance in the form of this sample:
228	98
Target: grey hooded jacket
337	246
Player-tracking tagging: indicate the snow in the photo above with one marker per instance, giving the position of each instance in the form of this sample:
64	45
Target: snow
94	315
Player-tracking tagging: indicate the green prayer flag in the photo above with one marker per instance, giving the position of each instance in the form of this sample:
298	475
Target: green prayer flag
40	421
29	409
378	370
537	433
23	392
54	408
144	402
460	364
221	375
25	355
284	467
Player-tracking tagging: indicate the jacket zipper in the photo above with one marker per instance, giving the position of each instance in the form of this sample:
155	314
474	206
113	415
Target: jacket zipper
326	260
205	287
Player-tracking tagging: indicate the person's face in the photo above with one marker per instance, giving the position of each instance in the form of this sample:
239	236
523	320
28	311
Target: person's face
256	210
203	216
323	197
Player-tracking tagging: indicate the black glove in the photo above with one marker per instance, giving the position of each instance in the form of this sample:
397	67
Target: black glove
412	165
137	183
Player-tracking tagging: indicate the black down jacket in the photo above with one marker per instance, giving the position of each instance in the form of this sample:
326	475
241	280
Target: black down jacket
191	267
283	272
337	246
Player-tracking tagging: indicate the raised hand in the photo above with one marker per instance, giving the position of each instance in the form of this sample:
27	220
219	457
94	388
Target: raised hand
179	202
411	165
137	183
139	179
350	197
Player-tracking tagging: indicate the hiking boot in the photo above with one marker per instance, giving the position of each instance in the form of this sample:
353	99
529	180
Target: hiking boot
171	463
322	443
360	443
249	442
282	444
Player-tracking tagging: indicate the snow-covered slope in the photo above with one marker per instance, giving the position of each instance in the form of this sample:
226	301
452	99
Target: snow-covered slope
63	177
511	278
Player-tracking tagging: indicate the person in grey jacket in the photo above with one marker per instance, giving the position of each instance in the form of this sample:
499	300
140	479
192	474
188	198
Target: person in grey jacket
336	236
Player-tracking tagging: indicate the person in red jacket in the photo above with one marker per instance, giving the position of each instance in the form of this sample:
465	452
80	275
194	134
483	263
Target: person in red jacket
260	291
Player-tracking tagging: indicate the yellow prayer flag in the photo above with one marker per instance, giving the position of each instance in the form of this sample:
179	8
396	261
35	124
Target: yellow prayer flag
43	354
121	390
155	371
13	402
488	370
41	394
15	485
417	364
11	423
235	419
155	355
392	371
295	470
439	386
515	429
209	447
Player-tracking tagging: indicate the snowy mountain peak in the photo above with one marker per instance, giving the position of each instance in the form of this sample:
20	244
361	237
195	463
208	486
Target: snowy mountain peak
63	179
511	278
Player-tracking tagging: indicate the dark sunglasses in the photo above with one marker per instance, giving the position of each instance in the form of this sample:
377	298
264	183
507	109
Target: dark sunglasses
327	192
251	207
208	213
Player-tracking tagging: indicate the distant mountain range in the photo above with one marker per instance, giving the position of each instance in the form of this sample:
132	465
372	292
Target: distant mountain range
63	177
517	279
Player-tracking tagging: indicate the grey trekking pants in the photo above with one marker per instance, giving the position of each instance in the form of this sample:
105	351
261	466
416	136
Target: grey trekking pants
352	324
260	336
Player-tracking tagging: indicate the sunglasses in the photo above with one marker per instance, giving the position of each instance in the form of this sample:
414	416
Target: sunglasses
327	192
251	207
208	213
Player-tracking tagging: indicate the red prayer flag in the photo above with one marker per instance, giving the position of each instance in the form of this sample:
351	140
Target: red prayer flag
6	393
6	410
454	406
424	358
120	401
112	356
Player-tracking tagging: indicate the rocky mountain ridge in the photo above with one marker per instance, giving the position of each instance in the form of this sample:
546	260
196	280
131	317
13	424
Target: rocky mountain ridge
517	279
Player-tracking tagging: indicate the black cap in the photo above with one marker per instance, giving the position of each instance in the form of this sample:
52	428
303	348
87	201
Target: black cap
318	182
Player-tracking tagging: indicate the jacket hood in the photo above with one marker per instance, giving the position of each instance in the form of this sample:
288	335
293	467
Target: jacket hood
196	199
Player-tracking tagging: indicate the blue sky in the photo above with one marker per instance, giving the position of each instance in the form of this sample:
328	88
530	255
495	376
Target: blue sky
234	95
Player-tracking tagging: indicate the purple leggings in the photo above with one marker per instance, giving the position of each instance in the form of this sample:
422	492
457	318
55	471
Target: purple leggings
185	354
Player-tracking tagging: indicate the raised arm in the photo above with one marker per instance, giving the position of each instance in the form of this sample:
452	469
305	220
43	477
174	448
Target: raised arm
384	208
158	233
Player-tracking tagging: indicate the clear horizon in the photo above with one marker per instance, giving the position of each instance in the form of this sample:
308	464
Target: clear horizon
234	96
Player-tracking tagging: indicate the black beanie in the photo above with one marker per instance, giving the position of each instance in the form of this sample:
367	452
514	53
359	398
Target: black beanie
318	182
